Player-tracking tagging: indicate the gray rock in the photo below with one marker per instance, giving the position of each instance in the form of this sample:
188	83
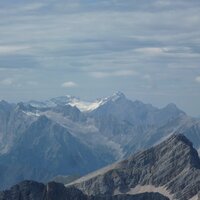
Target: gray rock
46	150
32	148
29	190
174	164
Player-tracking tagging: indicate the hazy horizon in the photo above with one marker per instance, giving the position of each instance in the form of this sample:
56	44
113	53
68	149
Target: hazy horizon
149	50
90	100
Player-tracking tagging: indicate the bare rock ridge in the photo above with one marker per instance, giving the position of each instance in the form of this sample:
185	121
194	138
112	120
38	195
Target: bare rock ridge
30	190
168	171
68	136
37	154
171	168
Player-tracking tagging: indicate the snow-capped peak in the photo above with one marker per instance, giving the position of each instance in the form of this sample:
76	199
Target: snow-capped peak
116	96
84	106
64	99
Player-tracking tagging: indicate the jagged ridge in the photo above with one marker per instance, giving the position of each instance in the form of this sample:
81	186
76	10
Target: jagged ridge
30	190
172	165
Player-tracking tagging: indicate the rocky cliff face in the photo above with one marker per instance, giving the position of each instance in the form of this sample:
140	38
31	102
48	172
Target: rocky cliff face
171	168
45	150
66	136
29	190
168	171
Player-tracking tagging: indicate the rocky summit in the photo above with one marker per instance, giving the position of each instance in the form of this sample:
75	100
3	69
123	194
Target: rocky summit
171	168
29	190
168	171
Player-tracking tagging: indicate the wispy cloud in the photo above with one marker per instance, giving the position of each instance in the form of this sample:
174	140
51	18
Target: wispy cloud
32	6
83	40
119	73
147	77
7	82
11	49
21	8
197	79
32	83
169	51
69	84
151	50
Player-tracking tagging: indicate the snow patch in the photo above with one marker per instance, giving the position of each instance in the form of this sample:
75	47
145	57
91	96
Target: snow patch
32	114
90	106
85	106
39	104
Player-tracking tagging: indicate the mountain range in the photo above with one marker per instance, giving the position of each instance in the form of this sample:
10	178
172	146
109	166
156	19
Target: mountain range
167	171
67	136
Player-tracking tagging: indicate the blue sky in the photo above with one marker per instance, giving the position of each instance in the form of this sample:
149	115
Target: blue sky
148	49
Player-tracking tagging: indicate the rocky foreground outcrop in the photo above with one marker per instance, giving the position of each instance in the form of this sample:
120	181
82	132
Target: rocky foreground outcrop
168	171
30	190
171	168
